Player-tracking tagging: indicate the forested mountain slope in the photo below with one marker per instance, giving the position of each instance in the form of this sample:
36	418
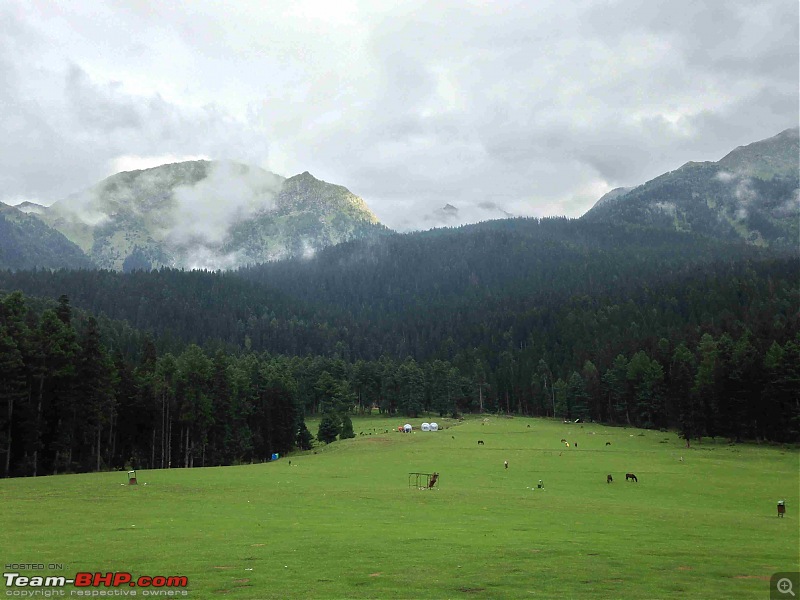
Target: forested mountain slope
27	243
486	286
751	195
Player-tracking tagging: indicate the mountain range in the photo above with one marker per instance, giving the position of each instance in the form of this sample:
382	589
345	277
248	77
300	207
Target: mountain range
203	214
749	195
225	215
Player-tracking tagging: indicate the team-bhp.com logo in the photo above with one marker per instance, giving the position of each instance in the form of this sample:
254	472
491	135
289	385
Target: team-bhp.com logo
94	584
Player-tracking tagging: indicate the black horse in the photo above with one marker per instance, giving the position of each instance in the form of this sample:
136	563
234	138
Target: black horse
629	476
609	479
480	443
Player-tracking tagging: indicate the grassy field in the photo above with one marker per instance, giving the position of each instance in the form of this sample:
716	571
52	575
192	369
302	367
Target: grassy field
343	522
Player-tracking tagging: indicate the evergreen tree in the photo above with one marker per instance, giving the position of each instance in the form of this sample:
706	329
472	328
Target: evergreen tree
615	381
305	441
646	377
411	388
96	387
690	413
12	389
329	428
705	383
347	428
577	397
53	359
195	408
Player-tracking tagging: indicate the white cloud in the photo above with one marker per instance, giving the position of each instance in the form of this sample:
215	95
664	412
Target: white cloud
411	105
725	176
206	210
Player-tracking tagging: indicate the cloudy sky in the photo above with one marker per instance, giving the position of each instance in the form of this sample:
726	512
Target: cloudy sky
537	107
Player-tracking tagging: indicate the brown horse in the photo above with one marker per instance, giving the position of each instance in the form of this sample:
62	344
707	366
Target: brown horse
629	476
434	479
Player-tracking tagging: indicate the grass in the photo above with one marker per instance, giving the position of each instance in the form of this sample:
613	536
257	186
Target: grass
343	523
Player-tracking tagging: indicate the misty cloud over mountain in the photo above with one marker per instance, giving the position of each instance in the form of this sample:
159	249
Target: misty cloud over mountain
207	215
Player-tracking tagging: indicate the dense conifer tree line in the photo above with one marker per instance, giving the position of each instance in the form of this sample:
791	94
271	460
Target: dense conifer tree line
617	324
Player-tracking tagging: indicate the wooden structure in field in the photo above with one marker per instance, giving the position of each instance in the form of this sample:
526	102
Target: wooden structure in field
423	481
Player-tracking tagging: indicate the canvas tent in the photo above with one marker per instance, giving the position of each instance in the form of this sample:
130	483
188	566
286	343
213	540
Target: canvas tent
407	428
434	427
426	427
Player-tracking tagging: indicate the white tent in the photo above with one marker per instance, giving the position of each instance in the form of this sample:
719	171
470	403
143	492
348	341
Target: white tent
426	427
406	427
434	427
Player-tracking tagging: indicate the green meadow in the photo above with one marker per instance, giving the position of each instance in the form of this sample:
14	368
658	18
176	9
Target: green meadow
342	521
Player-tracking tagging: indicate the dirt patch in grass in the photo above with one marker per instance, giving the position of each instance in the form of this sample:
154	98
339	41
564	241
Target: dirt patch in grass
685	568
375	574
761	577
241	581
377	440
469	590
221	567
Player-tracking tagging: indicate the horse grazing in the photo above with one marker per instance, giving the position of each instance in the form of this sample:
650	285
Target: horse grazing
609	479
608	443
480	443
434	479
629	476
563	441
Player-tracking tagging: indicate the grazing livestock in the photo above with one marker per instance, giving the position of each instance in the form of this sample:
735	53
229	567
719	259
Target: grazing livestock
563	441
480	443
609	479
505	463
608	443
629	476
434	479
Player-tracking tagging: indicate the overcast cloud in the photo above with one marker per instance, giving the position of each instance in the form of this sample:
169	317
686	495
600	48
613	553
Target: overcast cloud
537	108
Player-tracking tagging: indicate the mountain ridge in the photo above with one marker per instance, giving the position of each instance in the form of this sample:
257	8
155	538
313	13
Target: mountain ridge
749	195
207	214
27	243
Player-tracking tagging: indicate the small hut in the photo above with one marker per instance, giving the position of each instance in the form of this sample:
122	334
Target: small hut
426	427
407	428
434	427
